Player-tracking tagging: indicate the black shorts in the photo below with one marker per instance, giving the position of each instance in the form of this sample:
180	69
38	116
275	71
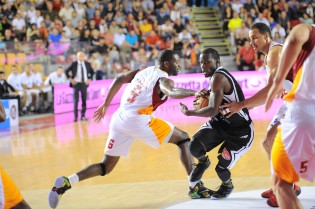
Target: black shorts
235	141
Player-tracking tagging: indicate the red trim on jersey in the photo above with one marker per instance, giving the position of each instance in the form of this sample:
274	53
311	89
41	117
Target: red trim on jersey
156	100
305	52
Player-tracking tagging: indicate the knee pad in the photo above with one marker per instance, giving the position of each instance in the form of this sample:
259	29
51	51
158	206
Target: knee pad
196	148
183	141
223	173
103	169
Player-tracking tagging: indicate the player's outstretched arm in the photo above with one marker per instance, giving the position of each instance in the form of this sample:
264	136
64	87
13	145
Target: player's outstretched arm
168	88
215	99
113	89
291	49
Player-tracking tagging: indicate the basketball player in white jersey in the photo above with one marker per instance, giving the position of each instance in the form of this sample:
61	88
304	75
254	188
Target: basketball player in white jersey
293	152
148	89
261	41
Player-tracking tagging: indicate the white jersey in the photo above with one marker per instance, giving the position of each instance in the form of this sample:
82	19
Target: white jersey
15	81
53	79
27	80
287	84
140	96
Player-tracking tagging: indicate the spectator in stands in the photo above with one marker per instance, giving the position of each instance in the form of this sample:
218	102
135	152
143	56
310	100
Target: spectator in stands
147	7
57	4
285	21
145	28
237	5
178	27
234	24
306	19
57	77
81	10
98	73
66	12
8	92
55	36
50	12
241	34
277	38
246	57
249	5
226	17
5	24
32	34
280	30
132	40
90	10
19	27
31	15
310	10
43	31
260	63
8	36
152	41
166	29
262	19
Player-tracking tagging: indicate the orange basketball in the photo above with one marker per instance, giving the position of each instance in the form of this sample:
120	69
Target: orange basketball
200	102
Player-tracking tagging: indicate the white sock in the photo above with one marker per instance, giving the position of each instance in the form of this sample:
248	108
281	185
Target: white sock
193	183
74	178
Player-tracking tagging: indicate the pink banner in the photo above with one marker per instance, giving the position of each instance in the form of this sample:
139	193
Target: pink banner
250	82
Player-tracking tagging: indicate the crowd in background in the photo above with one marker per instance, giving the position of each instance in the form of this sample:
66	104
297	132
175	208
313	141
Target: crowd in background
123	34
280	15
116	33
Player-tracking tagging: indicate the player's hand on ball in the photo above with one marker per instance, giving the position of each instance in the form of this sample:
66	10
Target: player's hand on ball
183	108
203	93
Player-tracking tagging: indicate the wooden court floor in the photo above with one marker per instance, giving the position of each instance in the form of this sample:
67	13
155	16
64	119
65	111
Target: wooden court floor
42	149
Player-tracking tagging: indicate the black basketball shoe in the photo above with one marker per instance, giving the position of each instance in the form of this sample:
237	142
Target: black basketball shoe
224	190
199	191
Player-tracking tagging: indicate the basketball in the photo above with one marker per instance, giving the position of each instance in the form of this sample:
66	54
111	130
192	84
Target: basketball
200	102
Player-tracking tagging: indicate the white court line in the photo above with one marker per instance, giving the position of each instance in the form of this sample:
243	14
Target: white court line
245	200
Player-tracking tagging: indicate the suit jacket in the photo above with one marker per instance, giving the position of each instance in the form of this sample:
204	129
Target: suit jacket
4	88
71	71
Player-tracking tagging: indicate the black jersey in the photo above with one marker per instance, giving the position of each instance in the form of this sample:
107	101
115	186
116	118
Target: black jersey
235	95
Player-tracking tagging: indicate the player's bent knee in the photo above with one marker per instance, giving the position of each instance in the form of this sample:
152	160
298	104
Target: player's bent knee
196	148
102	165
179	143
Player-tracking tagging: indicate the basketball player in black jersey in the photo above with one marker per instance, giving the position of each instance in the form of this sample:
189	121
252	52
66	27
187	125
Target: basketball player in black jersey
234	134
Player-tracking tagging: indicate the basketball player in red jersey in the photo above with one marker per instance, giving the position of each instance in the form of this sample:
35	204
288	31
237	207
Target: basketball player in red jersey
293	152
261	41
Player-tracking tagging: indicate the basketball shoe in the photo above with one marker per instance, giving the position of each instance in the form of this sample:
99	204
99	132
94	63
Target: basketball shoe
200	168
224	190
199	191
61	185
267	194
272	200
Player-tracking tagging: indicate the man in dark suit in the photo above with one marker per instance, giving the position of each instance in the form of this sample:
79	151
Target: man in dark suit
8	92
80	73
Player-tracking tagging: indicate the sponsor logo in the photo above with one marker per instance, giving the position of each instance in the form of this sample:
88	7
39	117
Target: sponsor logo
13	112
225	154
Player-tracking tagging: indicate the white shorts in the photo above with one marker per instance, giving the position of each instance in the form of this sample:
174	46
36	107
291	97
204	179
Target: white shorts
293	153
125	128
278	116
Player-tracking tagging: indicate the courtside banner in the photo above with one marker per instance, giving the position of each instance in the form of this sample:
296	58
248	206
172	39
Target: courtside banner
12	113
250	82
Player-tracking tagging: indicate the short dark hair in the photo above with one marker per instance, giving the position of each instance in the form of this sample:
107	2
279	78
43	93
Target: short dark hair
262	28
214	54
165	55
